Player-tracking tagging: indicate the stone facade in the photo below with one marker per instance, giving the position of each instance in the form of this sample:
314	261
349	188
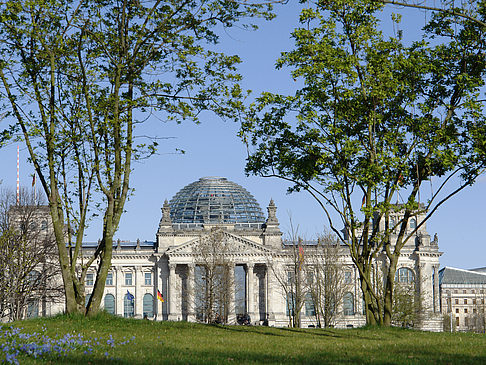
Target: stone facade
258	259
463	299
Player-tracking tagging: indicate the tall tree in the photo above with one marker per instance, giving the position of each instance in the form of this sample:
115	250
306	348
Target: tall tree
78	76
375	119
29	272
215	281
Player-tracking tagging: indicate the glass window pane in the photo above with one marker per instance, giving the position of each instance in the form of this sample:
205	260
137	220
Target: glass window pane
348	304
148	278
109	279
128	278
148	305
110	303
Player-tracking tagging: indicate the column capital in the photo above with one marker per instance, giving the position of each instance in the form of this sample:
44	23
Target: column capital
172	266
250	265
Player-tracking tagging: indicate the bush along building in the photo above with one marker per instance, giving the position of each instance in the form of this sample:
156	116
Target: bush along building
218	258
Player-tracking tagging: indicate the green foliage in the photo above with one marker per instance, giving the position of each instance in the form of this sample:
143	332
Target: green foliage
375	118
79	77
190	343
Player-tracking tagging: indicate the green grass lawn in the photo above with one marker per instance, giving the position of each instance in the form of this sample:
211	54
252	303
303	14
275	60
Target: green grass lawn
146	342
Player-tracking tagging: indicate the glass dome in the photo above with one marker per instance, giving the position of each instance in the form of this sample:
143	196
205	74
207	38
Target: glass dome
215	200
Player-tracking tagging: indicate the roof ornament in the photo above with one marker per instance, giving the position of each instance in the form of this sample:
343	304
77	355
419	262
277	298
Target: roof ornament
272	214
165	222
166	214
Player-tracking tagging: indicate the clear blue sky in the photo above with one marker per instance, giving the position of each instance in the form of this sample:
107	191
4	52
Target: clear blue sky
213	149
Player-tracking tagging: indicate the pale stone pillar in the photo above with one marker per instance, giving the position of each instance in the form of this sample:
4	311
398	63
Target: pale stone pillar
158	286
436	289
172	293
232	304
269	296
191	315
250	292
137	307
118	277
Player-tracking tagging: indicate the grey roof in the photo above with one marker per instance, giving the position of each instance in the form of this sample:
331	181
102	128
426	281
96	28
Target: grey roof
123	244
479	269
451	275
215	200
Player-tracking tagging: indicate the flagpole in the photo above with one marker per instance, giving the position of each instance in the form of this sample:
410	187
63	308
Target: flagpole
18	175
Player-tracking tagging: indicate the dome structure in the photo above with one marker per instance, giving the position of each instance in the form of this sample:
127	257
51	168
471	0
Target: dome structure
215	200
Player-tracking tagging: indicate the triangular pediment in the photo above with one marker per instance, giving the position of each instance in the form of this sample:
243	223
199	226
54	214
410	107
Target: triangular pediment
229	244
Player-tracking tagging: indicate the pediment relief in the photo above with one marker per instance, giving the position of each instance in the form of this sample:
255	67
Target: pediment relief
225	243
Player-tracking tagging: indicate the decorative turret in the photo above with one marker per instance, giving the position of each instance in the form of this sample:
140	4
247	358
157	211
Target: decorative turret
272	216
165	222
272	235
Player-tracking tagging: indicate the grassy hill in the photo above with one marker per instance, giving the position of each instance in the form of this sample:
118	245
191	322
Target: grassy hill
112	340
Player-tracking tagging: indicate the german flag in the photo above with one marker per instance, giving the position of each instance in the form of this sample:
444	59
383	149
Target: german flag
159	296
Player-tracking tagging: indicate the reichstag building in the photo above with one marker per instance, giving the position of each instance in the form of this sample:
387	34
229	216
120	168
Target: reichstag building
218	256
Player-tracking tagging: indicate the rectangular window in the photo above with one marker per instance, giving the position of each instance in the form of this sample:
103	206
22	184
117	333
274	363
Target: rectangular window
474	310
347	277
109	279
310	278
290	278
457	310
457	321
474	301
465	310
128	278
465	301
148	278
457	301
89	279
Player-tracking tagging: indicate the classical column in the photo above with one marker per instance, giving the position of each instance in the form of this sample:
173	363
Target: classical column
232	304
119	295
436	289
172	293
250	303
269	296
158	286
137	306
191	315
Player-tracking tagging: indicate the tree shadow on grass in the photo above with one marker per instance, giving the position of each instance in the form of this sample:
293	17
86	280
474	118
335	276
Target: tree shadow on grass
176	355
284	332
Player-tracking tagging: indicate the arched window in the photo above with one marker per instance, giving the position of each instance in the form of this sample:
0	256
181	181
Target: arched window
413	223
128	305
110	303
348	304
32	309
404	275
148	305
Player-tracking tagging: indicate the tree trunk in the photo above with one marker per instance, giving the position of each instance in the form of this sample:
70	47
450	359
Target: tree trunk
388	297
